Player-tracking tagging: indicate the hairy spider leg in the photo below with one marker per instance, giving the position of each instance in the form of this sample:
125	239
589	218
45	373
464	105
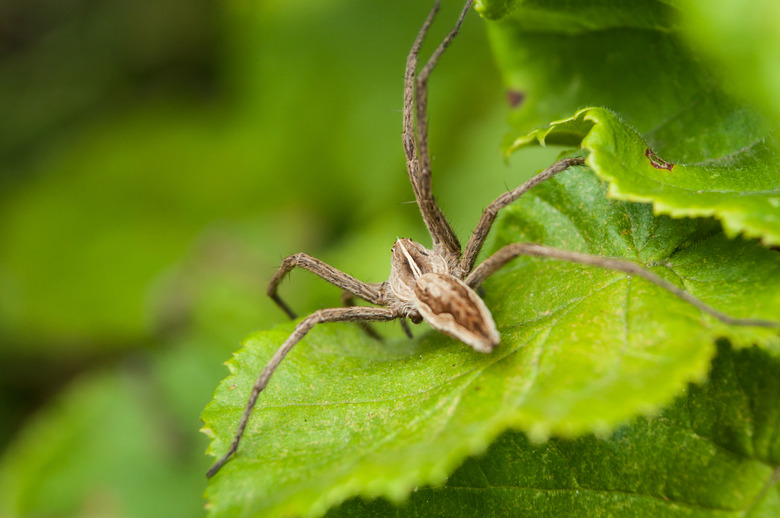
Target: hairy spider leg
509	252
370	292
488	217
352	314
348	300
415	137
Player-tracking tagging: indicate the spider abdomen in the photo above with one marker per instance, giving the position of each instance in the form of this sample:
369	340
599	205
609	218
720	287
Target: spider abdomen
451	307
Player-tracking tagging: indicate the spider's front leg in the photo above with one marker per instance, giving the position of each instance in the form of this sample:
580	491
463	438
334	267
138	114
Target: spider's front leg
480	233
351	314
509	252
370	292
415	137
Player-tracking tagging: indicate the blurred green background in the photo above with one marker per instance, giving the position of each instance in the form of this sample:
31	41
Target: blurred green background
158	158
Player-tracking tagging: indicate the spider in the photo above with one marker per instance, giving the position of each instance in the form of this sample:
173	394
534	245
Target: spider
436	285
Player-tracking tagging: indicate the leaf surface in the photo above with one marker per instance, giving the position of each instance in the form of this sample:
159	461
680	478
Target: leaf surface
741	190
582	350
744	54
713	453
667	108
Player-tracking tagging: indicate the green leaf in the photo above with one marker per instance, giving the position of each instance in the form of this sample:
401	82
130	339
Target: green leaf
120	440
741	190
582	350
574	17
742	43
713	453
626	56
107	446
630	58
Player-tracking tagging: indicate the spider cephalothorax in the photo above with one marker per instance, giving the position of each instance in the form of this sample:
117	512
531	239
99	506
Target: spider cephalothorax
436	285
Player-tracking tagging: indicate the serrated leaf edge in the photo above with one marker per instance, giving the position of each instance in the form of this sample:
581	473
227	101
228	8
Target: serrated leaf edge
733	224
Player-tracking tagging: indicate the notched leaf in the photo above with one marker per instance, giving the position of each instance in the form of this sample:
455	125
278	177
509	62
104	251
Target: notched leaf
741	190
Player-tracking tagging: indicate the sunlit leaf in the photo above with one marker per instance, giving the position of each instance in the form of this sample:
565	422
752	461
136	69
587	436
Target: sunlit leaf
583	350
742	190
664	106
713	453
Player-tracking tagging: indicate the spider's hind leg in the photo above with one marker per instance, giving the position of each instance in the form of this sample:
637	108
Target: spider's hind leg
415	135
366	291
353	314
406	328
509	252
488	217
348	301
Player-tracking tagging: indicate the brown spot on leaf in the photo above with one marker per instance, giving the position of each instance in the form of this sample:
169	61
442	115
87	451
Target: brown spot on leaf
515	98
656	161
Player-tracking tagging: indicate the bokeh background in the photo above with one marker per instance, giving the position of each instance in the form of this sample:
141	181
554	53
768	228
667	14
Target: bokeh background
158	158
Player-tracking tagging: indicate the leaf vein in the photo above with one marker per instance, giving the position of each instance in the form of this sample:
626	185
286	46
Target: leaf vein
773	481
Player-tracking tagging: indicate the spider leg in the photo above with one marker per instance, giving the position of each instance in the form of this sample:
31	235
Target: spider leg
348	300
407	330
353	314
366	291
480	233
415	137
509	252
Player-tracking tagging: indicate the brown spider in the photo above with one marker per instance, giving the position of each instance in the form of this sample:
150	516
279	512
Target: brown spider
436	285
